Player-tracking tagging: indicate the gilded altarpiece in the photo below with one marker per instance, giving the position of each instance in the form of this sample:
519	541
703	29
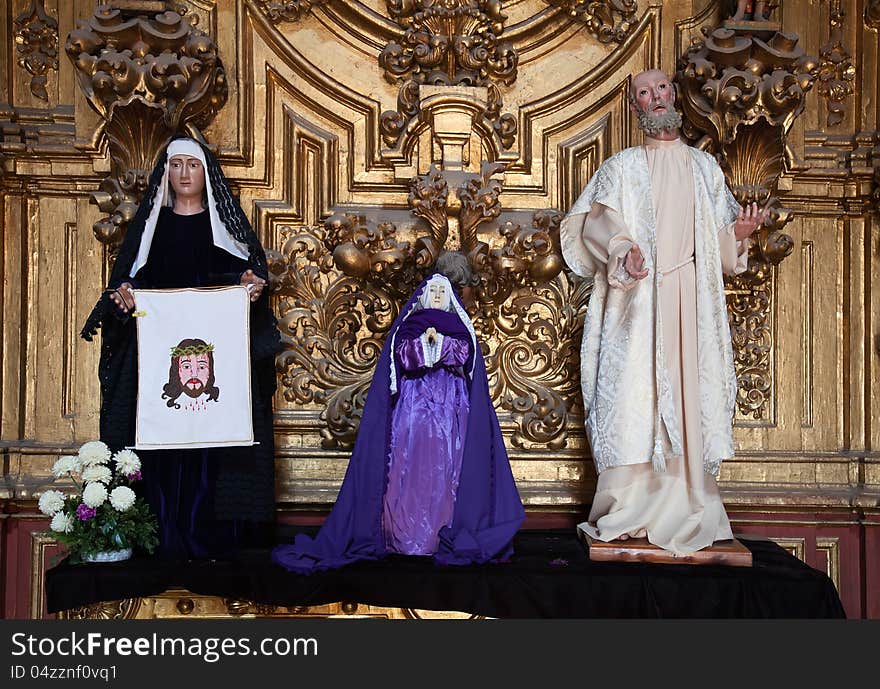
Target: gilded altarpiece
364	137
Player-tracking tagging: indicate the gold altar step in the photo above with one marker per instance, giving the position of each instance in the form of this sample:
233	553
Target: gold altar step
730	553
183	604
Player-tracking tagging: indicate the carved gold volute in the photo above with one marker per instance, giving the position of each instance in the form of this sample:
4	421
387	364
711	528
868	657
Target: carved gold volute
36	40
740	90
608	20
148	72
449	43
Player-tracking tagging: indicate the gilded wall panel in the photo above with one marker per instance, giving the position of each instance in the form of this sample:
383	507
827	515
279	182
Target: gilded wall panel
329	113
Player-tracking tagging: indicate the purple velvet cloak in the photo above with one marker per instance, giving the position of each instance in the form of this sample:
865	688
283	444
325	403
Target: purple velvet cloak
488	510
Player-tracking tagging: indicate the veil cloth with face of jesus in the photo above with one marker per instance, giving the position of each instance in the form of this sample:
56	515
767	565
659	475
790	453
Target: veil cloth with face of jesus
485	512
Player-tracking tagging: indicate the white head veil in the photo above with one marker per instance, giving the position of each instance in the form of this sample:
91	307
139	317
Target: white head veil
222	238
452	305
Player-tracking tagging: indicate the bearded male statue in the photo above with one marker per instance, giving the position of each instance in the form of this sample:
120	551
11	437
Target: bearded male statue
656	229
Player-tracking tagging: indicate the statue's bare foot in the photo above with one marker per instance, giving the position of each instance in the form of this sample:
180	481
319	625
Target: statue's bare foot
639	533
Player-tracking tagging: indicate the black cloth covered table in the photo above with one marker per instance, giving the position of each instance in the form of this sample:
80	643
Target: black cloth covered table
549	576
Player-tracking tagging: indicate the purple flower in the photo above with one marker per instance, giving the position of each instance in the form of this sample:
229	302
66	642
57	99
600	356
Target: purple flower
136	476
559	562
84	512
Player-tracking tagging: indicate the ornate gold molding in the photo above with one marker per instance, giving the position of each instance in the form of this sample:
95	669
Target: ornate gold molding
125	609
449	43
181	604
741	90
836	69
148	77
830	546
608	20
733	78
278	11
341	286
41	541
452	42
36	39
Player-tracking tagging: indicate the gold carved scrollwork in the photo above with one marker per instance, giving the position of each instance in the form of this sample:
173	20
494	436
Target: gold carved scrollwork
451	43
836	69
454	42
740	91
341	286
147	77
530	371
36	39
732	78
278	11
428	197
608	20
125	609
755	160
237	608
332	327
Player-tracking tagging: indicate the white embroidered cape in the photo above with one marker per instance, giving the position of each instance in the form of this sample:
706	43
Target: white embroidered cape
624	381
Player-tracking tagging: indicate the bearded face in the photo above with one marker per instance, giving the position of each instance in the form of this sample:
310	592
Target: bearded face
194	371
653	100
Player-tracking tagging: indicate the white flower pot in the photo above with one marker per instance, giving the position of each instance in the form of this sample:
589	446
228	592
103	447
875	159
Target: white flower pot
109	556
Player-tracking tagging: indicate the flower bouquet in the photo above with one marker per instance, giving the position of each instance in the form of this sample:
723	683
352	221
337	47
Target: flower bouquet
104	520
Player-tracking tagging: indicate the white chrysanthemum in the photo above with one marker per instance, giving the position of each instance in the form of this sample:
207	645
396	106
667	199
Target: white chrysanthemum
94	452
69	464
127	462
94	494
97	472
122	497
62	523
51	501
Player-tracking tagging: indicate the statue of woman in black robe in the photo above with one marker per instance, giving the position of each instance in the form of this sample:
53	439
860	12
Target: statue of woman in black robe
191	232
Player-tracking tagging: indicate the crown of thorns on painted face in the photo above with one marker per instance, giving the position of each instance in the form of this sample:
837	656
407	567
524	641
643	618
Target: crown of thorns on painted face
191	372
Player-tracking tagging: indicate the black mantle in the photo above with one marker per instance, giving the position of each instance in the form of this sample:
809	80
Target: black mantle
550	576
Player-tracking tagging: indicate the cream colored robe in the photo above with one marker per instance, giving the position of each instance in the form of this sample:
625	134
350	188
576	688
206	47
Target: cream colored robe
657	364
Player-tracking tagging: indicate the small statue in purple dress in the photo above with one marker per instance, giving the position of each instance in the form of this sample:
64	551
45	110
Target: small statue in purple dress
429	473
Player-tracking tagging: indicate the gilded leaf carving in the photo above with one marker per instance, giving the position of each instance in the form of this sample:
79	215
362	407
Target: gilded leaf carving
278	11
36	40
836	69
147	76
452	43
341	285
608	20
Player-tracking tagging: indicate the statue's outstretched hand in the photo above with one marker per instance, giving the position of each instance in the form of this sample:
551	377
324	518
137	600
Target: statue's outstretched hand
749	220
634	263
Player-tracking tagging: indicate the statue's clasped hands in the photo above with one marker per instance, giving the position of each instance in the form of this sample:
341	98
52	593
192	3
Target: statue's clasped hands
431	335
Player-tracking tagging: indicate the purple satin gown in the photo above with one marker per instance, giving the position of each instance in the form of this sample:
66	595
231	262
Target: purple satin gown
428	428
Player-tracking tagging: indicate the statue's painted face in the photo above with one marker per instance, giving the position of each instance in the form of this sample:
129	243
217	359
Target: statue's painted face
653	93
194	371
187	176
437	296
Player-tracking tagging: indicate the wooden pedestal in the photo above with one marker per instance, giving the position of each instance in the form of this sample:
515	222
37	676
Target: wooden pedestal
730	553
